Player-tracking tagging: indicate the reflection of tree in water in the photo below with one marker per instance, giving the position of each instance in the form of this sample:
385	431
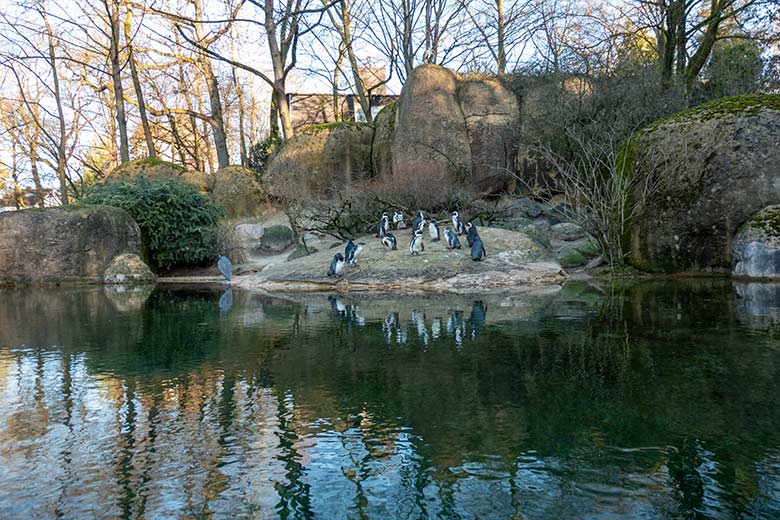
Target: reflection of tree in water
534	405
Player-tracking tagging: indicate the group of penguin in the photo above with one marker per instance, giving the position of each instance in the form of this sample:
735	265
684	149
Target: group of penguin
416	245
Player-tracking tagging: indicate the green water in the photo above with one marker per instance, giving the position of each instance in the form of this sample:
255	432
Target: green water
653	401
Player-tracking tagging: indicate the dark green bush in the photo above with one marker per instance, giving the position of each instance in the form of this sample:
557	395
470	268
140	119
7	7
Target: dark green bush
179	225
261	152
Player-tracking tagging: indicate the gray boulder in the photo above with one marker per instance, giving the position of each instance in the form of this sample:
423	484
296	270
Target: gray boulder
276	239
567	231
715	166
64	245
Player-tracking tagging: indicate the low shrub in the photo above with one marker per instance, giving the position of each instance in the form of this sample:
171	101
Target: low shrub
179	225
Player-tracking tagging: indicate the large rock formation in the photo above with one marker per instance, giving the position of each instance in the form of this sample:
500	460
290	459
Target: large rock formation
430	132
492	114
321	160
238	190
64	245
715	166
756	247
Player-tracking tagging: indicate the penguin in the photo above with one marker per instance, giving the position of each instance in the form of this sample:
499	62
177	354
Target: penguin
452	238
389	242
418	226
336	265
416	245
398	220
433	230
457	223
477	250
352	251
418	219
471	233
384	226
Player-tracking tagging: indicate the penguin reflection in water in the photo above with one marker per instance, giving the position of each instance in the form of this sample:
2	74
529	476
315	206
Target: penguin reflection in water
416	245
336	265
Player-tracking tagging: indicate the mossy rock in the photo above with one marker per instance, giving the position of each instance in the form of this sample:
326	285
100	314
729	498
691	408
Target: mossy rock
568	256
159	169
238	190
715	166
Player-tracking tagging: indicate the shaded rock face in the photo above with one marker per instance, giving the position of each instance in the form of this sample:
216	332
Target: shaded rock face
492	115
756	247
715	165
128	269
321	160
382	146
275	239
430	135
64	245
238	190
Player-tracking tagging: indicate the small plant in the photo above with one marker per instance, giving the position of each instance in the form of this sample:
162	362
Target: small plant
179	225
261	152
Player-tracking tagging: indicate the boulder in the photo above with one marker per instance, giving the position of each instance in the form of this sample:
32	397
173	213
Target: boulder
321	161
238	190
382	146
567	231
128	269
756	247
492	118
568	256
276	239
64	245
715	166
158	169
431	139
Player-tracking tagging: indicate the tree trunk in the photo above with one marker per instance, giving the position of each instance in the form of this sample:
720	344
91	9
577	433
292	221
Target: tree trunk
139	95
501	55
116	79
61	150
280	74
216	119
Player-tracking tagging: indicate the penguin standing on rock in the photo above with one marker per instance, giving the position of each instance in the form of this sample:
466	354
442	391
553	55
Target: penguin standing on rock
452	238
352	251
471	234
384	226
477	250
433	230
416	245
457	223
389	242
336	265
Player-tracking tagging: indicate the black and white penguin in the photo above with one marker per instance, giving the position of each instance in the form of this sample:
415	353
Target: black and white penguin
452	238
418	226
352	251
389	242
418	219
416	245
336	265
384	226
457	223
433	230
477	250
471	234
398	220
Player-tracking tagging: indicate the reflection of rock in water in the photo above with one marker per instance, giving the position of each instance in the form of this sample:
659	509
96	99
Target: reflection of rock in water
128	298
226	301
758	304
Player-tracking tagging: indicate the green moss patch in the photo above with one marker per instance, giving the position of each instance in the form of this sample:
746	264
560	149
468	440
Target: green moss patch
747	105
768	221
314	129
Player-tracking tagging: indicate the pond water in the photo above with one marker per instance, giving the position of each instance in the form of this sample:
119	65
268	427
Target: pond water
658	400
